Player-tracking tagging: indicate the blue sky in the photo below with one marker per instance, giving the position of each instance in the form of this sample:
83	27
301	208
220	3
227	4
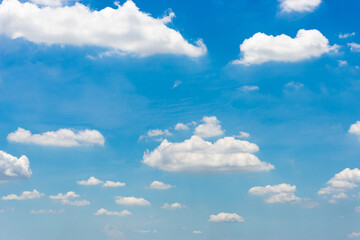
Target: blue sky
211	120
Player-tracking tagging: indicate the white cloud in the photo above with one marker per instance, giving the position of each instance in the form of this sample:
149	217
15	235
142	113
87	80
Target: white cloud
355	47
103	211
262	48
67	195
226	217
90	182
113	184
131	201
294	85
357	209
197	155
50	211
60	138
197	232
124	29
289	6
156	133
355	129
160	185
177	83
210	128
13	168
346	35
173	206
146	231
181	126
26	195
281	193
243	135
77	203
249	88
113	232
342	63
49	3
340	183
354	235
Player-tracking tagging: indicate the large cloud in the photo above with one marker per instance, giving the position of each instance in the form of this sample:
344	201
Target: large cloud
125	29
262	48
341	183
61	137
281	193
197	155
299	5
13	168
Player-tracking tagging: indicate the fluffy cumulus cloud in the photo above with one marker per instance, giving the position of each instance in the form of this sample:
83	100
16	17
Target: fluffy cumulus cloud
90	182
262	48
61	137
13	168
341	183
209	128
26	195
197	155
181	126
113	184
354	47
67	199
160	185
289	6
67	195
355	129
103	211
131	201
173	206
125	29
281	193
226	217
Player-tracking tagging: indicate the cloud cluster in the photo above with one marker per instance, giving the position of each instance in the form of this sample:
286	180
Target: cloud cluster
281	193
197	155
173	206
26	195
92	181
354	47
125	29
160	185
289	6
226	217
346	35
13	168
60	138
262	48
341	183
103	211
209	128
131	201
66	199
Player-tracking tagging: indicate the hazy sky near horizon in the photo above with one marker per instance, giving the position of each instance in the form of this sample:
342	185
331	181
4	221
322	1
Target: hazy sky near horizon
181	120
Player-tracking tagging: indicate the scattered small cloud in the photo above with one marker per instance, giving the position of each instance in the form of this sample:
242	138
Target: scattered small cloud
26	195
131	201
177	83
289	6
160	185
226	217
103	211
50	211
173	206
113	184
354	47
294	85
282	193
249	88
90	182
346	35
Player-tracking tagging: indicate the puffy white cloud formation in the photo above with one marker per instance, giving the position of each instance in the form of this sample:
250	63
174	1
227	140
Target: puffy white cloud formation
131	201
113	184
160	185
355	129
67	195
210	128
156	133
26	195
262	48
355	47
173	206
226	217
281	193
50	211
340	183
197	155
61	137
13	168
354	235
181	126
289	6
103	211
90	182
124	29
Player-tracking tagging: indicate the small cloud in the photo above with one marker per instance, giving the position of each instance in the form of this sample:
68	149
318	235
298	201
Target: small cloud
131	201
354	235
26	195
197	232
294	85
346	35
181	126
160	185
177	83
249	88
342	63
289	6
90	182
103	211
281	193
67	195
243	135
113	184
77	203
113	232
226	217
354	47
173	206
50	211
